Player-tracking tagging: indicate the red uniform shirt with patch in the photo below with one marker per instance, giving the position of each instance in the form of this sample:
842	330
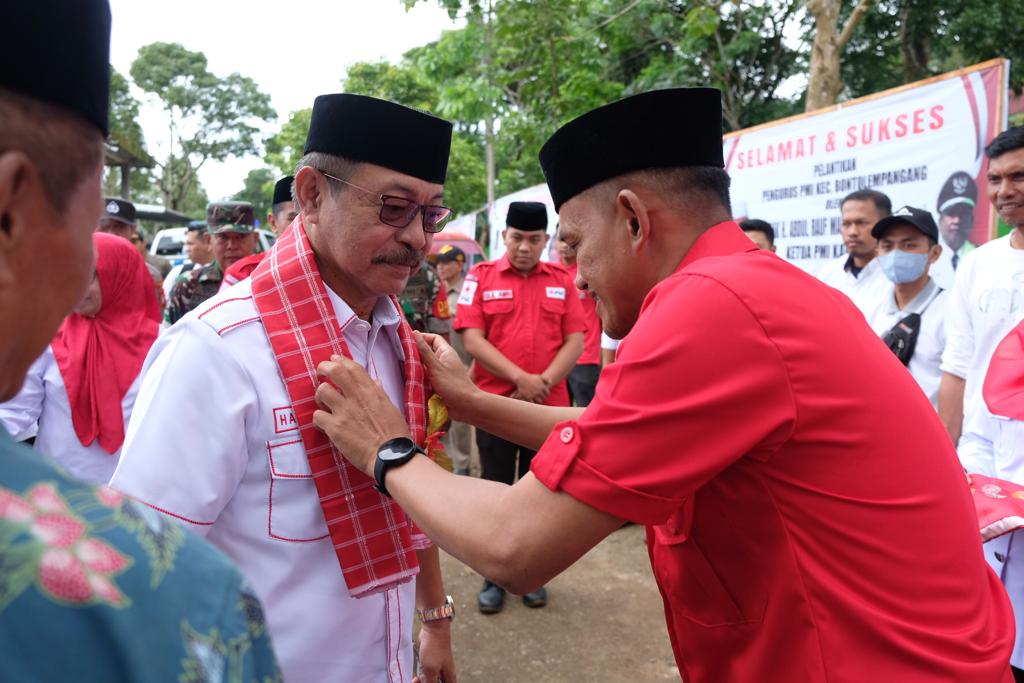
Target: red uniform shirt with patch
592	335
526	318
807	517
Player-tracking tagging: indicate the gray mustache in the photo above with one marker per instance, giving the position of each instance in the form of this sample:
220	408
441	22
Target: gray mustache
407	257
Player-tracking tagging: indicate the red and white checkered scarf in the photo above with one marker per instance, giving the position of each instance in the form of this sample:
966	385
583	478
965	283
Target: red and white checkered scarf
374	540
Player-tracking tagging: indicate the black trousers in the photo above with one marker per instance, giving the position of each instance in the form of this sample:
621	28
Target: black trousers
1018	674
582	383
498	458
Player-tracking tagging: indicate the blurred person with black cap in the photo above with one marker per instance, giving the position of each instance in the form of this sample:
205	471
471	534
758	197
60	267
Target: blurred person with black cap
807	516
911	317
523	324
342	569
282	213
282	208
451	268
198	252
232	230
96	588
118	218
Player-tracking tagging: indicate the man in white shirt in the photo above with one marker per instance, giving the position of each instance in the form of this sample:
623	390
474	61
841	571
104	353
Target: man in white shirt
988	295
221	442
858	275
911	316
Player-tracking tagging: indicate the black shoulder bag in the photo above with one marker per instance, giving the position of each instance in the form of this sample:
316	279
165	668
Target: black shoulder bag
902	337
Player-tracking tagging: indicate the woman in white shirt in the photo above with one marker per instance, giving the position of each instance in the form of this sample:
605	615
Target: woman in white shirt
79	394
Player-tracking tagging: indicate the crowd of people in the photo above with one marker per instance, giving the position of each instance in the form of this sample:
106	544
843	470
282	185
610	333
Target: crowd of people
235	471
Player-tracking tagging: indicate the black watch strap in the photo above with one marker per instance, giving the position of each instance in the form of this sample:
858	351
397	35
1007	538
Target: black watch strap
390	454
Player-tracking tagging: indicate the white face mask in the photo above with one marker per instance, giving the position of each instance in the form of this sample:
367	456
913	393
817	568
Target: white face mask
902	266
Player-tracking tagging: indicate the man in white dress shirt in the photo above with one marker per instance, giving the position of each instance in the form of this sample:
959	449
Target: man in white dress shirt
911	316
219	441
987	300
857	275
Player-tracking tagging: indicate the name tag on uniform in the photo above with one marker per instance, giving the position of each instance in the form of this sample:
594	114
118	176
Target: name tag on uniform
468	292
495	294
284	420
556	293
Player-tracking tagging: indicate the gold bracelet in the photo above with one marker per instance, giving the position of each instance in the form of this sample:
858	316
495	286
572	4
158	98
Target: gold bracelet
445	611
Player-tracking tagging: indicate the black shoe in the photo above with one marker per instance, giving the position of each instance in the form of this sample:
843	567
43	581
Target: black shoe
537	598
491	598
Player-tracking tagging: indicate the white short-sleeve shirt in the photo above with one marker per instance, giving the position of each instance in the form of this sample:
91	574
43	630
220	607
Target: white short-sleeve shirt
931	302
42	409
866	289
986	302
213	442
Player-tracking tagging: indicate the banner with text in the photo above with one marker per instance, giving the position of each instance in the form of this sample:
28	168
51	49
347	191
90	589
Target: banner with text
921	144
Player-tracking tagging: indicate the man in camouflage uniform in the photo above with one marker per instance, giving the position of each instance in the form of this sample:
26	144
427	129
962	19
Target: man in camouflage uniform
232	227
425	303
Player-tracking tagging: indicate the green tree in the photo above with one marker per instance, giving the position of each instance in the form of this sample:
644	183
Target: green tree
258	190
209	118
284	148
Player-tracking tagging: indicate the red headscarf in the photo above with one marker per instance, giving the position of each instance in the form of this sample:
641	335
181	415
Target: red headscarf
1003	389
100	357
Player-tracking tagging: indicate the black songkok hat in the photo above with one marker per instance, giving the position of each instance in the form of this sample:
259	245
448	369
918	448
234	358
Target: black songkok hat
119	210
658	129
283	190
58	51
379	132
527	216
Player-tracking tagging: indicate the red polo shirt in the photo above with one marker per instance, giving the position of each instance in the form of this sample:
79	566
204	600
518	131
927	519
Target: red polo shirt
807	515
592	335
526	317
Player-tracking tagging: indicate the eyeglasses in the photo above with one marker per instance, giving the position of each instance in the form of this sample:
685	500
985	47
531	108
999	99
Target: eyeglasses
399	212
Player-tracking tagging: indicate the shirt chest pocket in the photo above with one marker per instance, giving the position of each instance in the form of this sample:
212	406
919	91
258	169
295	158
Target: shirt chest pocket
293	505
552	307
698	590
498	307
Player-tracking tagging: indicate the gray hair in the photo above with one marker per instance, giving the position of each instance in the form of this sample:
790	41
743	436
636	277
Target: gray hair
339	167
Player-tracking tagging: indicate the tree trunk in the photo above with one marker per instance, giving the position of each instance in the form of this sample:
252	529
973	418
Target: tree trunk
825	83
913	46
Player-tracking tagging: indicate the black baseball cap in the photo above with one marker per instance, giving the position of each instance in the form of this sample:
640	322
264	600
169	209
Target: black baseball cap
916	218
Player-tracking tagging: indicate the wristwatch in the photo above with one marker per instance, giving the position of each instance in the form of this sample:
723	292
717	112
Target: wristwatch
445	611
393	453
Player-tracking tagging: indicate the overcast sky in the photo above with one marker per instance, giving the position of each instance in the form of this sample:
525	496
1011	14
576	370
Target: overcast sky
293	50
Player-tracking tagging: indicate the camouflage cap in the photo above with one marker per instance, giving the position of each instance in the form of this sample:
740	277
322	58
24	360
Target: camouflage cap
231	217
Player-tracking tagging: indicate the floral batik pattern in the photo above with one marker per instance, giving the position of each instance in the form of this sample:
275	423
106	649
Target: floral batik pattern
43	542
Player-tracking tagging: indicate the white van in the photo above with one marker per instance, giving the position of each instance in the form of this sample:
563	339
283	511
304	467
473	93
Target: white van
170	243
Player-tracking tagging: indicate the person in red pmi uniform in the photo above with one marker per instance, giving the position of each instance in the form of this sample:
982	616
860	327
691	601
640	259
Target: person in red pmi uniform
522	323
798	531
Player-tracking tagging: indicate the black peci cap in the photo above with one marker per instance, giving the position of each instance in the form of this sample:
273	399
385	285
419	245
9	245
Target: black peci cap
527	216
58	51
380	132
283	190
658	129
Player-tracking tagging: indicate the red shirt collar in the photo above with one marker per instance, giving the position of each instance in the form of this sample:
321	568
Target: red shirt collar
718	240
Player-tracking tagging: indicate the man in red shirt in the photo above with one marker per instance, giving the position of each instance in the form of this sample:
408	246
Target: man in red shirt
523	325
797	531
584	376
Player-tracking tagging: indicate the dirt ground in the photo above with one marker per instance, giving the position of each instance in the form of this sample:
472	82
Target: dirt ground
603	622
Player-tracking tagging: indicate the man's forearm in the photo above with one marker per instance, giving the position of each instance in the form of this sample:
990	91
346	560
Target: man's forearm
527	424
951	404
565	359
429	582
